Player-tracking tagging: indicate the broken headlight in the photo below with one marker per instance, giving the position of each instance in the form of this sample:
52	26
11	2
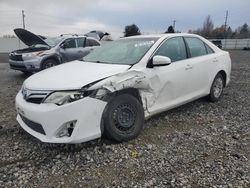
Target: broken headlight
64	97
99	93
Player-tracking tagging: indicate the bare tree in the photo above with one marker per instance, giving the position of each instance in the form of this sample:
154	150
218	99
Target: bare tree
229	33
243	31
208	27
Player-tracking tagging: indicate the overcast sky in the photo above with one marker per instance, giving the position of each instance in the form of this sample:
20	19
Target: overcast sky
53	17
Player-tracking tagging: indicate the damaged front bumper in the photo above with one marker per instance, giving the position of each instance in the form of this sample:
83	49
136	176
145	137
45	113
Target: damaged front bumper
76	122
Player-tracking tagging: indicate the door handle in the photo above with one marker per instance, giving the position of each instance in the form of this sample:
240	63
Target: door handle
188	66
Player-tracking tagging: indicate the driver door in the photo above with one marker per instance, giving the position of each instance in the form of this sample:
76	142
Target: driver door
172	81
68	50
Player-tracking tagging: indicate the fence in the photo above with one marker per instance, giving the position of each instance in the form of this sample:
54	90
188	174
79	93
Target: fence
234	44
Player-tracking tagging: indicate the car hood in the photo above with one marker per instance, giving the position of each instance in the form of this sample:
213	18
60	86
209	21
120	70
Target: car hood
73	75
29	38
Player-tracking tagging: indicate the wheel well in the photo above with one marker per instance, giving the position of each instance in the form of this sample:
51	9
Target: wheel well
52	58
130	91
224	75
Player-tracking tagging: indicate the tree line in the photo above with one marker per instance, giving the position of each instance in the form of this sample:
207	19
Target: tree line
132	30
208	31
223	32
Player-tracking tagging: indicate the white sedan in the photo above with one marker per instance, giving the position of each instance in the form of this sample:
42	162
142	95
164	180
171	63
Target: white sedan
117	86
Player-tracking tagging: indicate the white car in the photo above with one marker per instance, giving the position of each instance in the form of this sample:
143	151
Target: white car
119	85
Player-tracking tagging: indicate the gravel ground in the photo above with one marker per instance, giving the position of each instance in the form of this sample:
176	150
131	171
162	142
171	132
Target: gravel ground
200	144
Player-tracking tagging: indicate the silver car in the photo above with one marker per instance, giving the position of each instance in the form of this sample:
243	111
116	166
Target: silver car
43	53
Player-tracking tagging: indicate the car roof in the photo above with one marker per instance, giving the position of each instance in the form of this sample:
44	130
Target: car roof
165	35
74	36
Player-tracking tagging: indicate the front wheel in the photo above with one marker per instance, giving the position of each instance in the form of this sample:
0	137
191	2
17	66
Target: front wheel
26	73
123	118
48	63
216	89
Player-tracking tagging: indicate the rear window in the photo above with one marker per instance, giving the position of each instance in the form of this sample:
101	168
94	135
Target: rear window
94	43
209	50
196	46
80	42
91	42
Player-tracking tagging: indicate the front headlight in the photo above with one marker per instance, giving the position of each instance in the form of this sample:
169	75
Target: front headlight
61	98
64	97
29	55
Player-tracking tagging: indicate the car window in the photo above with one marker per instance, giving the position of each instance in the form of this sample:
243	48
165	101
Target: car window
173	48
209	50
70	43
196	46
80	42
91	42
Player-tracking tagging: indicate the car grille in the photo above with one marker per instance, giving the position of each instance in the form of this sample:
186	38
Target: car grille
18	67
36	100
34	126
16	57
35	97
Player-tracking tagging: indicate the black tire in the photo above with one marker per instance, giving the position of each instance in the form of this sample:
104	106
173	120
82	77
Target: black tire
48	63
26	73
123	118
216	89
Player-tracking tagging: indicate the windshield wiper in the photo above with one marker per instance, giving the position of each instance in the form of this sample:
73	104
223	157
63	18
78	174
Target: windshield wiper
96	61
99	62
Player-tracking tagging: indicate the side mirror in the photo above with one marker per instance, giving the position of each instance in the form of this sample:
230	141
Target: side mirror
63	46
161	60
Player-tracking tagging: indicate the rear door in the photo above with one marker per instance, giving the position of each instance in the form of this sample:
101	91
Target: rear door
90	45
200	65
81	50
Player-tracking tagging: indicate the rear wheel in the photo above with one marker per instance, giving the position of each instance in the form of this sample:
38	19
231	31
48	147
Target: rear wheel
123	118
216	88
48	63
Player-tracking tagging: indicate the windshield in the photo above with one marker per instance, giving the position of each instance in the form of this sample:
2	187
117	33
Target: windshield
53	41
125	51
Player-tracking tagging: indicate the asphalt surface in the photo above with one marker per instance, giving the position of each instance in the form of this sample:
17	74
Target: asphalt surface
4	57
